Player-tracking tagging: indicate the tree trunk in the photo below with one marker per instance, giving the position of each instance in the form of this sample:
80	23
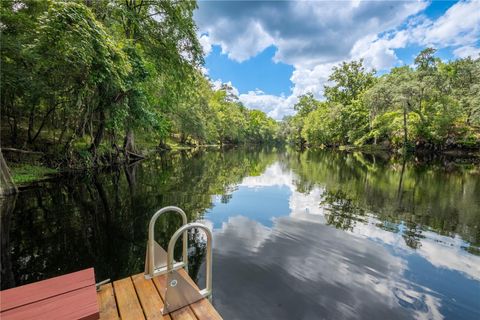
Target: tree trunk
183	138
130	174
99	134
6	183
129	144
44	121
7	205
405	130
129	141
30	124
82	123
64	130
14	130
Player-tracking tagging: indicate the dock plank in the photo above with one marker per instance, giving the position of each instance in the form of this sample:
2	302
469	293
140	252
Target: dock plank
135	295
184	313
150	299
180	314
203	309
127	301
78	304
30	293
106	302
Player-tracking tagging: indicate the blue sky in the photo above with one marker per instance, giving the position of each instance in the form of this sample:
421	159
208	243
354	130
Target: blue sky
273	51
255	73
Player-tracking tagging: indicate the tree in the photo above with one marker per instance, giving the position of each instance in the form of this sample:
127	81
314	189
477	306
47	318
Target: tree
260	127
318	126
350	80
465	82
18	20
69	38
306	104
6	184
160	33
426	62
378	99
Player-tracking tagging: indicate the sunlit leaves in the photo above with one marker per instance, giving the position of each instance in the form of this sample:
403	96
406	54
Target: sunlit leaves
432	106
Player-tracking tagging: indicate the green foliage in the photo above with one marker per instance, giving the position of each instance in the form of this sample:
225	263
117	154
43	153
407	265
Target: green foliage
318	126
93	73
393	189
260	128
351	79
434	106
27	173
306	104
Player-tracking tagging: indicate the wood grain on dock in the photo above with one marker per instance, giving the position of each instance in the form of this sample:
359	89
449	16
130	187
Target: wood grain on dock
71	296
137	298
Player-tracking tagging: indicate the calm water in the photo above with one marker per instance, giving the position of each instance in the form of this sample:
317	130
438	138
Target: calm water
309	235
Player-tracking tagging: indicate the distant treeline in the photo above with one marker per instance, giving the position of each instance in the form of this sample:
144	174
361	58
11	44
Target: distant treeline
94	77
433	105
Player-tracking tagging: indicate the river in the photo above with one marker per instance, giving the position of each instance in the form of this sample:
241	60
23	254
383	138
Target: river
297	235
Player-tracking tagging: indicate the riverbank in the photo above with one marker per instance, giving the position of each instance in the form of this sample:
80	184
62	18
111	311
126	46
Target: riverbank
23	173
27	167
473	153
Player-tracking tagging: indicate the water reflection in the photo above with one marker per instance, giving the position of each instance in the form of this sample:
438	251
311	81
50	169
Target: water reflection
100	218
296	235
383	264
308	271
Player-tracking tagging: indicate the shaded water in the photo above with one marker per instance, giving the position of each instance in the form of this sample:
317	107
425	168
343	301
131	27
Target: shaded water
307	235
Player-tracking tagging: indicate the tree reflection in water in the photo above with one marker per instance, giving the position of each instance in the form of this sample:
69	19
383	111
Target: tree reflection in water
409	196
100	218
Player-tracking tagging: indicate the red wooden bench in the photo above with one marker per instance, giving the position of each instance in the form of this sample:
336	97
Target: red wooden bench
71	296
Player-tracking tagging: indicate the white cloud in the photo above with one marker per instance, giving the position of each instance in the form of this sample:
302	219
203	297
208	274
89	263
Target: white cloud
205	43
458	28
217	85
441	251
311	79
274	106
246	46
378	52
313	36
467	51
460	25
306	33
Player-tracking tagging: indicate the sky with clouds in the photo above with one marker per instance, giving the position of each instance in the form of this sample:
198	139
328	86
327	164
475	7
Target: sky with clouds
273	51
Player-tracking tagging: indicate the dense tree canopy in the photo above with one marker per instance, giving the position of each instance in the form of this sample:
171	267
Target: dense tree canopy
84	76
433	105
100	80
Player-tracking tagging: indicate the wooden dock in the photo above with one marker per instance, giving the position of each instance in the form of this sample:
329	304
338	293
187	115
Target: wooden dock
137	298
71	296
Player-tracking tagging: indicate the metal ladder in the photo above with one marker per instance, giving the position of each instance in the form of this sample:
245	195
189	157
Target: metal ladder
179	292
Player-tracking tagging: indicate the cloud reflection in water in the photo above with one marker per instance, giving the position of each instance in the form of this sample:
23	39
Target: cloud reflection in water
297	267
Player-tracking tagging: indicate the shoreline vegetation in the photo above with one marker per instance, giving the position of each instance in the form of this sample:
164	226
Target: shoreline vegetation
24	174
433	106
88	84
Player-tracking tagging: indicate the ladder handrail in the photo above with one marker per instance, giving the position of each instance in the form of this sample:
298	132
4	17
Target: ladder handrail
151	237
171	248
